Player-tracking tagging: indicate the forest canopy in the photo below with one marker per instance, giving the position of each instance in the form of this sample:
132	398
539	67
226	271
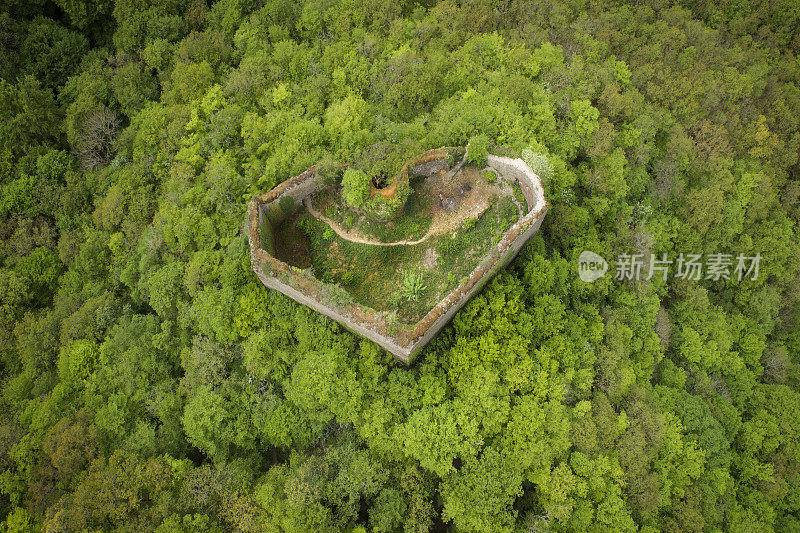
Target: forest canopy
150	382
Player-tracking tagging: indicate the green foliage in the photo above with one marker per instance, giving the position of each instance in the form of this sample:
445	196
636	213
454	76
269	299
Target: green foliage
337	296
539	163
347	122
151	383
77	360
83	14
30	118
164	288
435	437
190	80
477	150
355	187
389	208
133	87
480	497
412	285
287	204
329	171
51	51
39	271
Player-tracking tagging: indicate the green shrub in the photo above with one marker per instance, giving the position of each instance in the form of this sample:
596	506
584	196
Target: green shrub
337	296
454	155
389	165
394	299
273	213
355	187
478	150
305	225
286	203
412	285
329	172
449	246
489	176
539	164
401	195
266	268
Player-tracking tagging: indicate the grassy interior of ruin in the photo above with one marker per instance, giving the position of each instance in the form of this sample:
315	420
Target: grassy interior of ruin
455	242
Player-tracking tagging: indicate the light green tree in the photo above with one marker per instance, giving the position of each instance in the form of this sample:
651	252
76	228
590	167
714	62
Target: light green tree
355	187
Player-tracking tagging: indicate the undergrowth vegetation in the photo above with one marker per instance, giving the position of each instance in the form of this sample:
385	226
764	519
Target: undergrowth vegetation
374	275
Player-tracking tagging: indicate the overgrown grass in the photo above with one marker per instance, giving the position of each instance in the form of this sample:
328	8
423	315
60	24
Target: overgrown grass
460	254
520	196
373	274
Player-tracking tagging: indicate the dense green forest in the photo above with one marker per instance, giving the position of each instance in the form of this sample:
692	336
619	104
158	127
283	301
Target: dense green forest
150	382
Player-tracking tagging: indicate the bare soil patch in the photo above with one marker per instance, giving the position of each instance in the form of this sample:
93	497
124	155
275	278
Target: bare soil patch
429	261
470	192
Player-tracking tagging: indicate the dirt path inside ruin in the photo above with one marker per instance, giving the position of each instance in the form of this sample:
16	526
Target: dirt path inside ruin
470	204
348	236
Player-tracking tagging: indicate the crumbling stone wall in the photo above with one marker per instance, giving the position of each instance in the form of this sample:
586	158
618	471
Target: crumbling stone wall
529	182
430	168
406	343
